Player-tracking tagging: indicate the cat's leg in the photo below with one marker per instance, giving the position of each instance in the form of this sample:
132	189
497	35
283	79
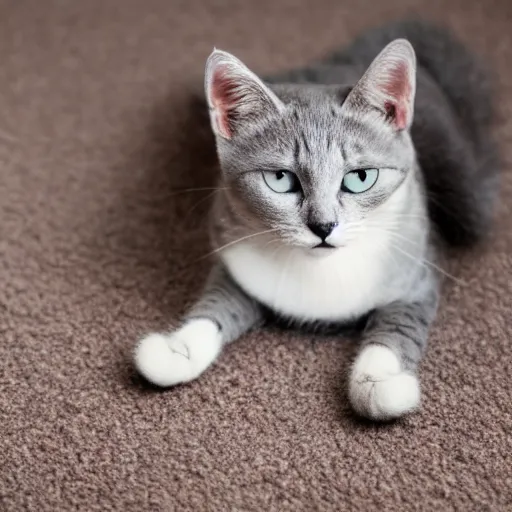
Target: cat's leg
223	313
383	382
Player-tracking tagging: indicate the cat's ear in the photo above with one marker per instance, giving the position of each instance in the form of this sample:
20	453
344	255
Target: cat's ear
389	84
236	97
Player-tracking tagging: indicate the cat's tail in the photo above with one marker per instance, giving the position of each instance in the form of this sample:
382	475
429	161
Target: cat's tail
462	192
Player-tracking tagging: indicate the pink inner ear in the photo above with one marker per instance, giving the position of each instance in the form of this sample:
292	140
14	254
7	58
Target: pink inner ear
398	113
225	94
398	87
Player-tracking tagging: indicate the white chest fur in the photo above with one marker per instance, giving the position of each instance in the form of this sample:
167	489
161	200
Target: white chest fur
342	285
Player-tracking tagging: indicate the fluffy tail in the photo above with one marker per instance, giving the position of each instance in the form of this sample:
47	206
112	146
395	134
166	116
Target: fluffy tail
459	159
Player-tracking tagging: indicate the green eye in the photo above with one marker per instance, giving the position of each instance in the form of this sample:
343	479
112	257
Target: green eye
356	182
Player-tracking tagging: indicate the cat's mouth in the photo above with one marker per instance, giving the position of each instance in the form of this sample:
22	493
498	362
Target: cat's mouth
324	245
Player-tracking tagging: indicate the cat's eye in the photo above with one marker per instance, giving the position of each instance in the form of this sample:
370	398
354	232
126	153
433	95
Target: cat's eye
281	181
356	182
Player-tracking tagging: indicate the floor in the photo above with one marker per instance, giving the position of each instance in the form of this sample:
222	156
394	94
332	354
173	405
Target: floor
98	130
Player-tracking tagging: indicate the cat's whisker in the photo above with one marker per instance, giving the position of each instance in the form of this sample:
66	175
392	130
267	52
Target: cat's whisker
425	262
202	200
281	244
385	223
386	249
421	261
446	209
393	232
273	241
234	242
398	216
198	189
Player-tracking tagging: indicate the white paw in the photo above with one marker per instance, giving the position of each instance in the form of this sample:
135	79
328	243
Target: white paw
169	359
378	388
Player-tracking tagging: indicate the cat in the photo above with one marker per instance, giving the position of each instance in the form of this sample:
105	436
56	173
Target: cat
341	184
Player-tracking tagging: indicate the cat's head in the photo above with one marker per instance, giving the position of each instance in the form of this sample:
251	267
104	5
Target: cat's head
314	164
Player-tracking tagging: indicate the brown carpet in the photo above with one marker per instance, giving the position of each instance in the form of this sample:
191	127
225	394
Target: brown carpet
96	132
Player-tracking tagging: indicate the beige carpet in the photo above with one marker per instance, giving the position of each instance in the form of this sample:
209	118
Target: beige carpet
96	249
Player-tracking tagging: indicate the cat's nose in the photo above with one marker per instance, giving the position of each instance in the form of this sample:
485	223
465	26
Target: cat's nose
323	230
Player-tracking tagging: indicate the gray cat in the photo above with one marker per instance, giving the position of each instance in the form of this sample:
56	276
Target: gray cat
340	185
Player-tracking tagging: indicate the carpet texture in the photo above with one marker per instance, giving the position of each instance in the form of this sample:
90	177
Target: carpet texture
97	133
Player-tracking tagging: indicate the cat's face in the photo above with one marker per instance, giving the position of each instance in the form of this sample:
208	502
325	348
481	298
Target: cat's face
314	165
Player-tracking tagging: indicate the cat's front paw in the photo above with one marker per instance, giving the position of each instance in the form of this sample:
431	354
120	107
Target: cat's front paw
379	389
170	359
